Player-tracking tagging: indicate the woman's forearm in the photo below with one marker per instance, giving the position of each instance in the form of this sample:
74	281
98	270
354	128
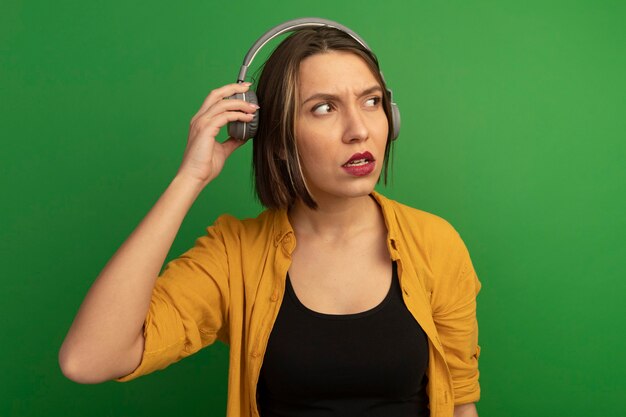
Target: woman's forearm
465	410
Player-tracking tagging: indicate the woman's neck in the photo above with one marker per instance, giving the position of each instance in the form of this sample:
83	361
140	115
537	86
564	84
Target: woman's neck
337	219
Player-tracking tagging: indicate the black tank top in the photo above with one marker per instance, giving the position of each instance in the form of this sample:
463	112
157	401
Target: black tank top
371	363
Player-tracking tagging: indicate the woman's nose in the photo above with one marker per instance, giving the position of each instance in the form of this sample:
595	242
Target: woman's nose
355	127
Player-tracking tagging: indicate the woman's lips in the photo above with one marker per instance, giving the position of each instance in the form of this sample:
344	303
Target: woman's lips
360	164
361	169
358	158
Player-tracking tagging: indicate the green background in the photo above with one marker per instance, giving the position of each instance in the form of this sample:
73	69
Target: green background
513	130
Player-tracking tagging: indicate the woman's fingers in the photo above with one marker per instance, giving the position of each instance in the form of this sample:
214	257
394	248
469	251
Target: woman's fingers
219	94
212	125
229	105
223	112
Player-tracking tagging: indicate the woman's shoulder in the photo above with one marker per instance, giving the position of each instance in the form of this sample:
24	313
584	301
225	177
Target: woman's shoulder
262	226
426	233
407	217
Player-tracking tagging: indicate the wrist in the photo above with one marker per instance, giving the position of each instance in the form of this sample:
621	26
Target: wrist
185	189
184	180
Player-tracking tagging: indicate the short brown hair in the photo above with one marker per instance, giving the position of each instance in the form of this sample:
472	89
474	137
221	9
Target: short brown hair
278	176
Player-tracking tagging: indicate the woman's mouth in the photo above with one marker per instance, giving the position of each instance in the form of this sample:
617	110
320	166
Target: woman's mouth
360	164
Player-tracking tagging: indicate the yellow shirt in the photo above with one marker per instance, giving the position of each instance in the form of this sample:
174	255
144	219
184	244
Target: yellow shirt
230	285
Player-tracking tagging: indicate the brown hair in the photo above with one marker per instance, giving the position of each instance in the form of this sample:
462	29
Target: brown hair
278	176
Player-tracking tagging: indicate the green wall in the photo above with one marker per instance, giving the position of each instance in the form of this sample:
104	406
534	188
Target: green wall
513	130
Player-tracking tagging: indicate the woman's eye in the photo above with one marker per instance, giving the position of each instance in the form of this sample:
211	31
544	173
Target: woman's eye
372	101
323	108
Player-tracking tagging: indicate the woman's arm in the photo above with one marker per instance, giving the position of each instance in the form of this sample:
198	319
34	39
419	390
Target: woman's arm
106	339
465	410
453	301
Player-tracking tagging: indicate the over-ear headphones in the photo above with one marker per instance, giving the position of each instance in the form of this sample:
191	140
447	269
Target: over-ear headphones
243	130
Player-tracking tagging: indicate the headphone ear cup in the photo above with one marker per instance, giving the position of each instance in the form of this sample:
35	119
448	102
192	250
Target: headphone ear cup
395	121
243	130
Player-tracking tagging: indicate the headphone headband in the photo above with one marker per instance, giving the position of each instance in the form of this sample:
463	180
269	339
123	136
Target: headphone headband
288	26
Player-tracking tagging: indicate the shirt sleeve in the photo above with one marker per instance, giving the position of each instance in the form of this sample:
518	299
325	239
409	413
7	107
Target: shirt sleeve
189	305
454	314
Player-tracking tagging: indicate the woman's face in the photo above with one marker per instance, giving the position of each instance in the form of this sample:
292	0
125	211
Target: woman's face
341	127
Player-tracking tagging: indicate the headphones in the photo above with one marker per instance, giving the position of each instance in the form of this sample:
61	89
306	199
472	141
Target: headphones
247	130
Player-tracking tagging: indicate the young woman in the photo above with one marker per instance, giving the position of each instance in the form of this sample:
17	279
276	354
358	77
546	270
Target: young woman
335	300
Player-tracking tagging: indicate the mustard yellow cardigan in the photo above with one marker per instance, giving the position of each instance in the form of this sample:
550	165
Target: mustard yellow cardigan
230	285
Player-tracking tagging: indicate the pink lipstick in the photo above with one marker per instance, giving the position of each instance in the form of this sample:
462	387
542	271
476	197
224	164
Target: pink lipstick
360	164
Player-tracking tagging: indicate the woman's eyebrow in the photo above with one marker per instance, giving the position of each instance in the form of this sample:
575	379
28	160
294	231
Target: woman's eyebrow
327	96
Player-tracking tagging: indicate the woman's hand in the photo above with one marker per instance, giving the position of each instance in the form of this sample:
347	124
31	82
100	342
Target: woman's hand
204	157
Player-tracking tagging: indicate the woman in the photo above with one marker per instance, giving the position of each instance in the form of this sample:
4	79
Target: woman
335	300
